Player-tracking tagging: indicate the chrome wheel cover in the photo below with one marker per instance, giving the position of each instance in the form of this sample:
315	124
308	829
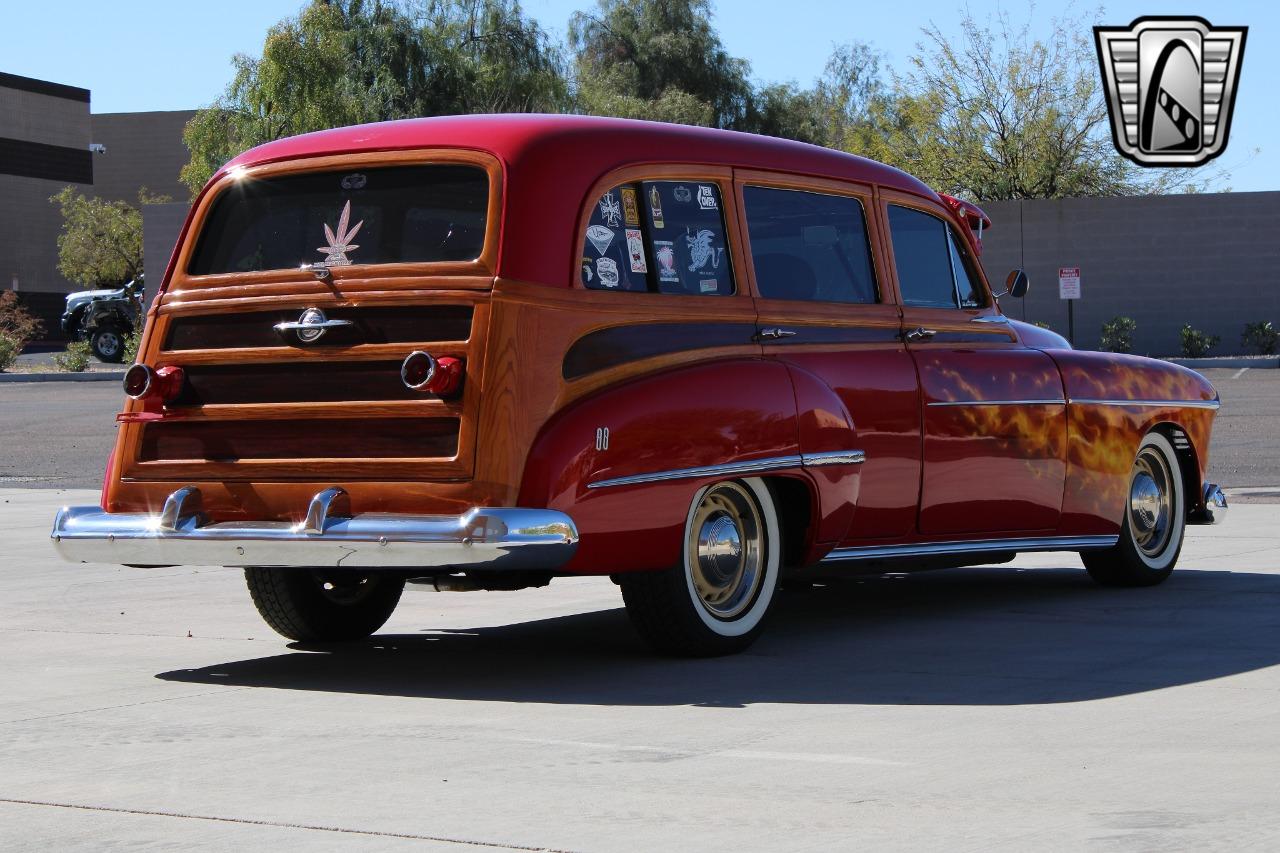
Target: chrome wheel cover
1151	502
725	551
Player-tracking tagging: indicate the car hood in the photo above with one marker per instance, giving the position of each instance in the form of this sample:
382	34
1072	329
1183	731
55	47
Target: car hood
87	295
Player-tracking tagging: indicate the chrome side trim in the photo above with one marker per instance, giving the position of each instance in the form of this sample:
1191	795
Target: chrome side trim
934	549
750	466
995	319
835	457
1185	404
944	403
481	539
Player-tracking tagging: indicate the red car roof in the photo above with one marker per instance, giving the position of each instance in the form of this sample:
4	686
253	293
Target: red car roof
552	160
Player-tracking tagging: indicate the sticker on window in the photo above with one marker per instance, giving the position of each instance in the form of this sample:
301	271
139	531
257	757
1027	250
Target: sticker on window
664	251
630	209
701	252
607	269
655	207
610	210
600	237
635	248
682	194
706	198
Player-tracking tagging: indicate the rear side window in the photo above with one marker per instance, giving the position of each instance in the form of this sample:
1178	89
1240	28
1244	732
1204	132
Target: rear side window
391	215
930	261
807	245
660	237
613	256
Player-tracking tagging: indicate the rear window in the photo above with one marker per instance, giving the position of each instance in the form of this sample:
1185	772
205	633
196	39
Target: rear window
391	215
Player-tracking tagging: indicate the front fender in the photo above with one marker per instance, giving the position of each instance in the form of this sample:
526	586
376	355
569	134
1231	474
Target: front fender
709	414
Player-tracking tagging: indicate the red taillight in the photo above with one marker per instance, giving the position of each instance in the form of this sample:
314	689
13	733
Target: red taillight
422	371
159	386
137	381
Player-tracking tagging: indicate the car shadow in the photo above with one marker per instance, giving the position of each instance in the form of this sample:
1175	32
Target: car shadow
961	637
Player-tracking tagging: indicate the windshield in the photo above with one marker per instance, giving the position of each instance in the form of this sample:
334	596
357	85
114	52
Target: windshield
391	215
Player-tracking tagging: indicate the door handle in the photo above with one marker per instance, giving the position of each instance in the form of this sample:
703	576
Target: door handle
920	333
776	333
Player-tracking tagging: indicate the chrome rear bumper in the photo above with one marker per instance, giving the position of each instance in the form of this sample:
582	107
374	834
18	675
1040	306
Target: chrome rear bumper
481	539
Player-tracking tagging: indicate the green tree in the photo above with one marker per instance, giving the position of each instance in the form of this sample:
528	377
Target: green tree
658	59
342	62
994	114
101	241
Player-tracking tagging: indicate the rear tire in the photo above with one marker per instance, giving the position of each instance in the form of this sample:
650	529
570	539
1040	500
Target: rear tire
107	343
1155	520
716	600
323	606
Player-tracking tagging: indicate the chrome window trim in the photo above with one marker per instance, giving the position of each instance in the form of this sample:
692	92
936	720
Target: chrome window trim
1189	404
926	549
750	466
942	403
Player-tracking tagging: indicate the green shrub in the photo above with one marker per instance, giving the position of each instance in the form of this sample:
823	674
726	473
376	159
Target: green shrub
1042	325
75	359
1195	343
1117	336
1261	336
10	349
131	342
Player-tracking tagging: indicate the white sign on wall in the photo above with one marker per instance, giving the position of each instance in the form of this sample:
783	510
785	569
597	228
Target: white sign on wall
1069	282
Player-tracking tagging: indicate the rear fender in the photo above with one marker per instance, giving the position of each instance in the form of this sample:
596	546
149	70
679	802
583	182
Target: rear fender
717	413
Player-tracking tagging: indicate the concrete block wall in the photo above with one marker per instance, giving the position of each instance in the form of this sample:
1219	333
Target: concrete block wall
1211	260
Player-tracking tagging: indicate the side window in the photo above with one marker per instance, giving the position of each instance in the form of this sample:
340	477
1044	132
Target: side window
922	250
807	245
967	287
687	238
613	252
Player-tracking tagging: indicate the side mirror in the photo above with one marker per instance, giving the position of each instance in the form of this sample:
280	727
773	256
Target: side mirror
1015	285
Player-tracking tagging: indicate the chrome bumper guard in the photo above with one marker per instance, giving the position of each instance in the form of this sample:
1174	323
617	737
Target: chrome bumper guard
481	539
1214	508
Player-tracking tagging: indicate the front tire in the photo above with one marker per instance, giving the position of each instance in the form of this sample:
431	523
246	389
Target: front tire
716	600
1155	521
313	605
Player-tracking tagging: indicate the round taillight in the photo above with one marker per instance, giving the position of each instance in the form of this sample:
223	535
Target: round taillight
137	381
418	370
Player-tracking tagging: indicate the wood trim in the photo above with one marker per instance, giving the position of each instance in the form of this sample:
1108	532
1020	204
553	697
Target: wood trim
350	277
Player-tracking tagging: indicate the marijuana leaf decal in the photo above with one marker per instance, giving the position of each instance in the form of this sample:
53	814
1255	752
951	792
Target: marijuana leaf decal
340	243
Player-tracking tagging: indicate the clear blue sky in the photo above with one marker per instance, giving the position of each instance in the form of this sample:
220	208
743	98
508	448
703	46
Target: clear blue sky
137	56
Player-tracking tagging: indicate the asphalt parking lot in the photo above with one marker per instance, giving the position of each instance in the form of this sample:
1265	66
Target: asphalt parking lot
989	708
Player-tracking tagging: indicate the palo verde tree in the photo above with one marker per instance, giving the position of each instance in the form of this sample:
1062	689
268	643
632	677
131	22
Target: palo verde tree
342	62
993	113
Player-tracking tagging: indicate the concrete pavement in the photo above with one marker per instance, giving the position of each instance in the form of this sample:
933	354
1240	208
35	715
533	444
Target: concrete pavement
975	709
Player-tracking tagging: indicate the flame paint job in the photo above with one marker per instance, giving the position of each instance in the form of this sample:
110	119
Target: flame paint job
991	468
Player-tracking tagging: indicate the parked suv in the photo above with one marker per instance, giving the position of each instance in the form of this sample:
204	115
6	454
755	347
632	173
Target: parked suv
104	318
482	352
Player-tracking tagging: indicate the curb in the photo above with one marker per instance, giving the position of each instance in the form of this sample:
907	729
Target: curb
87	376
1268	363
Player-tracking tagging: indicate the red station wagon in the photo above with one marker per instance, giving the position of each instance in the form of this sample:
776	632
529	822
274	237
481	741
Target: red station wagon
482	352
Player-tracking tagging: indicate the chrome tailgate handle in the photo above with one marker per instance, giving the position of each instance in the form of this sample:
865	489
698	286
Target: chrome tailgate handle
294	325
774	334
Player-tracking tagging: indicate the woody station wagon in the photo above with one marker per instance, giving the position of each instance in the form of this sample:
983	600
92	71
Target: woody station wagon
481	352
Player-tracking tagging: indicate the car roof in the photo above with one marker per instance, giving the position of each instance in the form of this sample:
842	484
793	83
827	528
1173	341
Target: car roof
551	161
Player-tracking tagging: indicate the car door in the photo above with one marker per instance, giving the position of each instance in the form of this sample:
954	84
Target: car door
993	410
822	310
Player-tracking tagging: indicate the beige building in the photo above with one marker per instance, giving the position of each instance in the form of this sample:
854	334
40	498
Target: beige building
50	139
